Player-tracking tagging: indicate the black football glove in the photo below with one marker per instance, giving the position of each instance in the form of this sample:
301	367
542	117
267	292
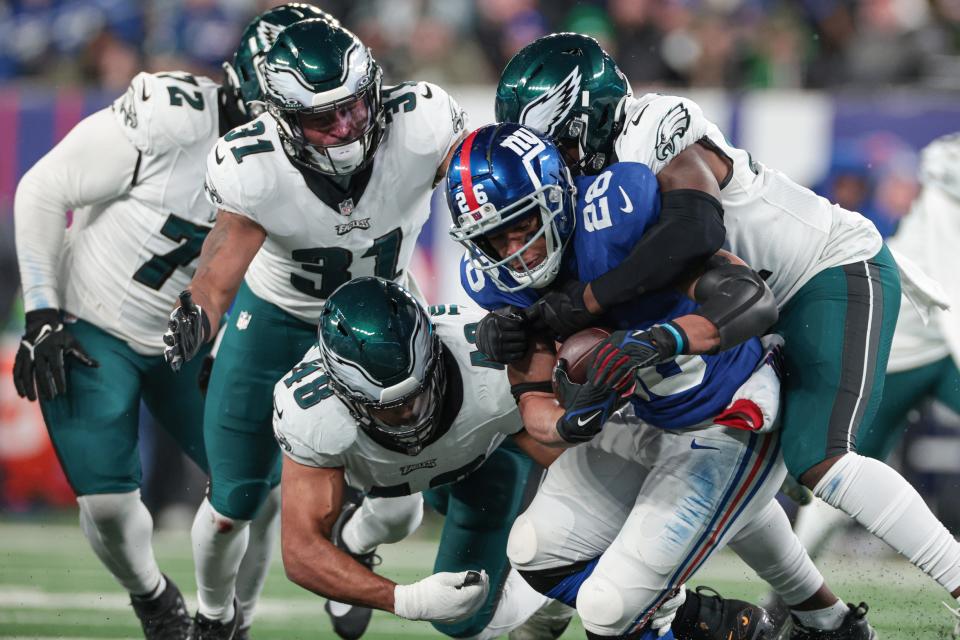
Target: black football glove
502	335
562	311
39	368
650	347
609	384
186	332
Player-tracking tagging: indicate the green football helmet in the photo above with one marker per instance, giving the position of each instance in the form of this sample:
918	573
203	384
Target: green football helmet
323	87
384	361
257	38
566	87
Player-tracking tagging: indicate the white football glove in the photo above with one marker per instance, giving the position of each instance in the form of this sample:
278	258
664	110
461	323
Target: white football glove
443	597
663	617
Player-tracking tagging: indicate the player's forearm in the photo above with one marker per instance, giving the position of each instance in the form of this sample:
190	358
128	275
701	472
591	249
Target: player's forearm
540	412
40	224
702	335
315	564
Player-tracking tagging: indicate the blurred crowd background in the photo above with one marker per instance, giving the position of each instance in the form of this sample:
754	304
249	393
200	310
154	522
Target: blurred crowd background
734	44
840	94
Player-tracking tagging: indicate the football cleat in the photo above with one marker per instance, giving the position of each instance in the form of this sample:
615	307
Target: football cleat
956	620
349	621
706	615
854	627
164	617
204	628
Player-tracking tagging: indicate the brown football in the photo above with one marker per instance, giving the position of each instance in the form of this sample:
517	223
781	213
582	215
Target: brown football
577	350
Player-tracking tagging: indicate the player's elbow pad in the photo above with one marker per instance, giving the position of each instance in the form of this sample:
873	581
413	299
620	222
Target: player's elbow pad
689	231
737	301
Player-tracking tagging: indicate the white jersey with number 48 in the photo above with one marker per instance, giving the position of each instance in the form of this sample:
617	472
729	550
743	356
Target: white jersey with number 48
315	428
319	237
782	230
133	177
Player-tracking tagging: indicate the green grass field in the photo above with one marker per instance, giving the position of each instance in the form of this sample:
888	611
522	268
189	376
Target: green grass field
52	586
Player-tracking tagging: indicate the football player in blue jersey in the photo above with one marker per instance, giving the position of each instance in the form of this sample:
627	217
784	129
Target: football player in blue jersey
666	471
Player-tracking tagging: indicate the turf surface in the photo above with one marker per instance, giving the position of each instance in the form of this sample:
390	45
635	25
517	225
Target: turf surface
52	586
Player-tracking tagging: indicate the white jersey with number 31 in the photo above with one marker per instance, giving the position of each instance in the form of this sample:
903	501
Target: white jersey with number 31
315	428
782	230
314	245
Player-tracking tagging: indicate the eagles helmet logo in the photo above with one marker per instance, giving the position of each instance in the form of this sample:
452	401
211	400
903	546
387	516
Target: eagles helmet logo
549	111
266	34
673	125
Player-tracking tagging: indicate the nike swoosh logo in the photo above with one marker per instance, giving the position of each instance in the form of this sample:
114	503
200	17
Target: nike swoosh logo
694	445
427	92
581	421
216	154
143	93
627	204
636	120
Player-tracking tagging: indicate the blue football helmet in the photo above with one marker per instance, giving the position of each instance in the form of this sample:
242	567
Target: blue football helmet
500	175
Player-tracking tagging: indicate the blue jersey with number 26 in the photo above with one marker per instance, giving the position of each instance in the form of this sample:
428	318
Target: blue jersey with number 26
614	209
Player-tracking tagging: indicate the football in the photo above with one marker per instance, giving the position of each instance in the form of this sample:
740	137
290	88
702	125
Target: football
577	350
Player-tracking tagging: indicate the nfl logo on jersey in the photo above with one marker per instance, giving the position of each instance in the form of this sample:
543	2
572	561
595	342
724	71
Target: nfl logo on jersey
346	207
243	320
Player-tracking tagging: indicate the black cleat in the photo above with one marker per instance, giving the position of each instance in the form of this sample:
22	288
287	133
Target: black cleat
164	617
203	628
854	627
706	615
349	621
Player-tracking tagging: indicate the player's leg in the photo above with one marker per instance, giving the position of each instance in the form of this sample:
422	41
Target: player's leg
260	344
94	431
479	511
692	502
838	328
176	402
817	522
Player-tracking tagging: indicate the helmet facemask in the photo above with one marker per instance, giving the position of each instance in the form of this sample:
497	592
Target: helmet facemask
354	124
404	416
473	228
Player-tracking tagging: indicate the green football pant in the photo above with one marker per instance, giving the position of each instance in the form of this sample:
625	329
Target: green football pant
261	343
903	391
94	426
479	511
838	329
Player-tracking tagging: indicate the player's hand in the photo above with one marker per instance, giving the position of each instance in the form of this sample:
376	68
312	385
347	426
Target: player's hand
442	597
562	311
502	335
39	368
666	612
610	382
645	348
186	332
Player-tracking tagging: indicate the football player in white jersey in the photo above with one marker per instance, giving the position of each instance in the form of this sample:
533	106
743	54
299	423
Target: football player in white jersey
333	182
394	402
97	297
836	283
924	355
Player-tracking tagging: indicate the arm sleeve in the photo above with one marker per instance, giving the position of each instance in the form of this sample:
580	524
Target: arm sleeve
689	231
448	126
93	163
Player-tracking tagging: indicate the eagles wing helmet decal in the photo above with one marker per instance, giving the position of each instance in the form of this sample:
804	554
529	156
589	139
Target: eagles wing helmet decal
267	34
546	112
673	125
288	85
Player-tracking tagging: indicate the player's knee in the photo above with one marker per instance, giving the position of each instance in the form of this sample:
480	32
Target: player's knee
242	501
522	545
601	607
109	510
400	516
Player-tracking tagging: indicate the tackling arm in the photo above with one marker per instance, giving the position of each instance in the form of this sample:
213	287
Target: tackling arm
689	231
539	408
227	252
311	499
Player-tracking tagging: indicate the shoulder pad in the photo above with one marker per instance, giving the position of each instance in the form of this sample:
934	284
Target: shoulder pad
163	111
657	128
309	422
242	167
427	118
940	164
